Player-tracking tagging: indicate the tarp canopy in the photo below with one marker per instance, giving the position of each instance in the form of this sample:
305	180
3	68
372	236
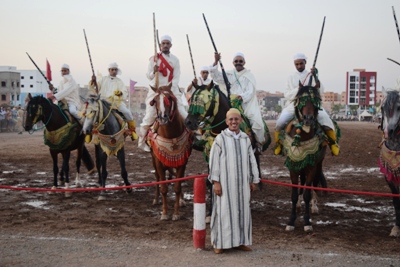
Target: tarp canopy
365	114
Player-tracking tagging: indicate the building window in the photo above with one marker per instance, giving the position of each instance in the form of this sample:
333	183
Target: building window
17	97
3	98
351	100
17	84
356	85
31	86
352	79
22	77
12	97
31	77
12	84
22	86
352	86
363	86
363	79
352	93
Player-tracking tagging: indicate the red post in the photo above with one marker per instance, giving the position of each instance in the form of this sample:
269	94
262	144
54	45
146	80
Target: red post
199	213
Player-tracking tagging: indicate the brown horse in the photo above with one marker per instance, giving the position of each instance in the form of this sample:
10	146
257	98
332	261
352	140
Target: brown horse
305	147
170	144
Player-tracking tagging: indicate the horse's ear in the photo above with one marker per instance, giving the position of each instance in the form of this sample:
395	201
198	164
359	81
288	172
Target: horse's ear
384	92
97	97
210	86
152	102
154	89
170	86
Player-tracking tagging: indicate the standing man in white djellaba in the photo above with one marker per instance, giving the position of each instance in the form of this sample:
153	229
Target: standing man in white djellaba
243	84
302	75
169	71
112	89
234	174
68	90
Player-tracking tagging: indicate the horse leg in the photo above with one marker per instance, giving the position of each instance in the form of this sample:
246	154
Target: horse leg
98	152
301	190
104	173
124	173
66	155
396	203
295	196
257	156
307	198
54	156
78	183
180	172
156	199
164	192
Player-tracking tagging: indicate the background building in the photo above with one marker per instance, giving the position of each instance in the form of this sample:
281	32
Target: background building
361	88
9	86
33	82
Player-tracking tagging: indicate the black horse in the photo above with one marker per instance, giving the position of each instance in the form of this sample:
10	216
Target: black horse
62	135
390	150
109	132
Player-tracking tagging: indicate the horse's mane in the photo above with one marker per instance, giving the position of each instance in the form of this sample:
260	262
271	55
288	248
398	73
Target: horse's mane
308	90
390	102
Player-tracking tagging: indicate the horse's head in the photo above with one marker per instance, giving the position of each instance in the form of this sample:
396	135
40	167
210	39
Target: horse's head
307	104
202	104
33	111
165	103
390	113
91	113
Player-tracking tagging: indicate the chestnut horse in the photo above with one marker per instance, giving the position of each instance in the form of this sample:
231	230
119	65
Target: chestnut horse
304	143
170	144
62	135
390	150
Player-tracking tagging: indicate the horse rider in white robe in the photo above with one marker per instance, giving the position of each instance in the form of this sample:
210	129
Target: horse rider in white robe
203	79
243	84
112	89
302	75
68	90
169	71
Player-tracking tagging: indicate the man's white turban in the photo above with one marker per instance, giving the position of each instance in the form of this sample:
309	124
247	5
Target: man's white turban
204	68
299	56
115	66
166	38
65	66
238	54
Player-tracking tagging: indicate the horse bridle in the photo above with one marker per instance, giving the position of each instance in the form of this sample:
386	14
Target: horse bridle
166	98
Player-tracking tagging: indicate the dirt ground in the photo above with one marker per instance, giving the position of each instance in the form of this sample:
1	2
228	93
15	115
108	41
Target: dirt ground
38	228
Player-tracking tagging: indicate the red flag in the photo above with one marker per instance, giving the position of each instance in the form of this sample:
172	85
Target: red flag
48	70
132	86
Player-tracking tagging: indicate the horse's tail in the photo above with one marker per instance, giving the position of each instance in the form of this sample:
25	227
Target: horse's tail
87	159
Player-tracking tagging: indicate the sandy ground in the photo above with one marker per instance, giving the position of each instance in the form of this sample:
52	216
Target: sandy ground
41	229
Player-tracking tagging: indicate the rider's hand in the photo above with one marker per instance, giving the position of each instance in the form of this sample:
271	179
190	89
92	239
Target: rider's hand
117	93
155	69
217	188
217	57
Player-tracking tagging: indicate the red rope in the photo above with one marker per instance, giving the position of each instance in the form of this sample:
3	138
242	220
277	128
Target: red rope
378	194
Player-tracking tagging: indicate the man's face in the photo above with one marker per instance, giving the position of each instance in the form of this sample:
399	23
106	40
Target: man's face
300	64
233	121
165	46
239	62
204	74
113	72
64	71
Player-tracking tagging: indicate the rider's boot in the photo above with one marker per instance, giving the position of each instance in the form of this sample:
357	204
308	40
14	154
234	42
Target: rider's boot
278	146
333	145
88	138
132	128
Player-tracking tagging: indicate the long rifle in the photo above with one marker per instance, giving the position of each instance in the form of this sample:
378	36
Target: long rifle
316	54
91	63
227	84
158	42
39	69
155	48
191	57
398	32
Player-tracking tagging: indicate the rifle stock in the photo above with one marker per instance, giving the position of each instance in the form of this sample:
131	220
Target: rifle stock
226	81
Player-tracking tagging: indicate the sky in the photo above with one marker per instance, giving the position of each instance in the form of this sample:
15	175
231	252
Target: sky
357	34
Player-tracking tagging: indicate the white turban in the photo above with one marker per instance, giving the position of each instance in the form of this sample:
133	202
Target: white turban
204	68
65	66
238	54
299	56
115	66
166	38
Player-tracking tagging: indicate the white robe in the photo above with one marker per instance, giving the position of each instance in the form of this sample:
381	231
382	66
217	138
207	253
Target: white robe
68	90
232	163
243	84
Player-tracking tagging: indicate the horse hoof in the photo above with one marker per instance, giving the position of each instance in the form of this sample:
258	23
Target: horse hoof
395	231
164	218
208	219
314	210
101	198
176	217
52	188
289	228
155	202
129	190
308	228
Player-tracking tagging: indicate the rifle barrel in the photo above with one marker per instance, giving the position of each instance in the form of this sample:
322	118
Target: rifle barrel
191	57
395	21
38	69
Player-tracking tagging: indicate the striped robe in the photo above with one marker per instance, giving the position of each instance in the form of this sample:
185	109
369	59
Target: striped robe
232	163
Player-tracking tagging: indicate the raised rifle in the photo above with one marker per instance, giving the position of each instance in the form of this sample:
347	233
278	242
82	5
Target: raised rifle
316	54
155	48
398	33
91	63
226	81
191	57
39	69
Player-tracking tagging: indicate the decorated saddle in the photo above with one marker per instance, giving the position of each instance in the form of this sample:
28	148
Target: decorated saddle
389	163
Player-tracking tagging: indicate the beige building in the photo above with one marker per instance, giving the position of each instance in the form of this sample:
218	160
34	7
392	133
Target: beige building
137	99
